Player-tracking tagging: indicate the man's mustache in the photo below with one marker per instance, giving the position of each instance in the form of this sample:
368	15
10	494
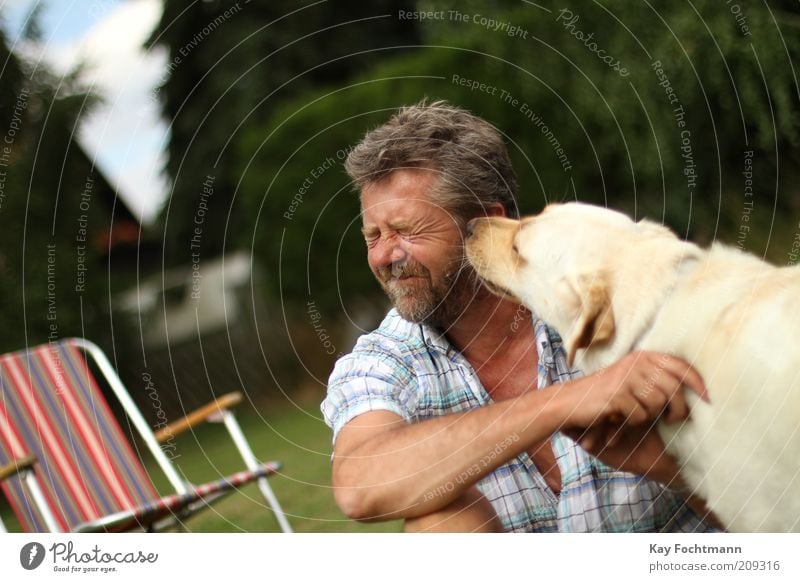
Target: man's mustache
405	268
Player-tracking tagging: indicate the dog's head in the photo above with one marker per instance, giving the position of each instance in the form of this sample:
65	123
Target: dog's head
571	265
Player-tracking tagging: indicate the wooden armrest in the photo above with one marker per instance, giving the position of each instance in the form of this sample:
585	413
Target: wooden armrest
16	466
200	415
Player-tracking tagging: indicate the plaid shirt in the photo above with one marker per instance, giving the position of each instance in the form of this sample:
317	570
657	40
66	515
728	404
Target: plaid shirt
413	371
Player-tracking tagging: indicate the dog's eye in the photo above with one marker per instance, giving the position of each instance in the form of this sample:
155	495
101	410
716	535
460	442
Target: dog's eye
515	249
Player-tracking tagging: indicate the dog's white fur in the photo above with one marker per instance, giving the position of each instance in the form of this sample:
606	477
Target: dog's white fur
609	285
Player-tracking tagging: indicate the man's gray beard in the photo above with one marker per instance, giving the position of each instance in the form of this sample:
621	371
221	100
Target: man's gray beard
438	306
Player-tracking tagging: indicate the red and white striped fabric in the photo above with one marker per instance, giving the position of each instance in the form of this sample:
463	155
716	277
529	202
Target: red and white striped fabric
51	407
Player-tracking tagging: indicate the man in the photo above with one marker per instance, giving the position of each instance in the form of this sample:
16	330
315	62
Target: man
451	415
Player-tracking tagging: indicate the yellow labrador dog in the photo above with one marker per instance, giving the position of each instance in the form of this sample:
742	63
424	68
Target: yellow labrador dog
609	285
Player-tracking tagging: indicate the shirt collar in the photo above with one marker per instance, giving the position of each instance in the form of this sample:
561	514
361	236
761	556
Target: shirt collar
547	340
434	338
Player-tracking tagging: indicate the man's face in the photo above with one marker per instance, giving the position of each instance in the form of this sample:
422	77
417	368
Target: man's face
416	249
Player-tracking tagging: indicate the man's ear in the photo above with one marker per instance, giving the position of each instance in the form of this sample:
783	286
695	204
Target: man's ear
495	209
595	323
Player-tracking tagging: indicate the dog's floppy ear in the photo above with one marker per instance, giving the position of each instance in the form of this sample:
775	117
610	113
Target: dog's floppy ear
595	323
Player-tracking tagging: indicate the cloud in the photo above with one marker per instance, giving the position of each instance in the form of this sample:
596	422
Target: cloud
126	134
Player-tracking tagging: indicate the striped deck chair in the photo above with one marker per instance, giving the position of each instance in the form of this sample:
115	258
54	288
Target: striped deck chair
67	466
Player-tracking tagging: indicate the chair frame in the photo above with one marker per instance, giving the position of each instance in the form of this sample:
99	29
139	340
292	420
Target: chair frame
216	411
24	469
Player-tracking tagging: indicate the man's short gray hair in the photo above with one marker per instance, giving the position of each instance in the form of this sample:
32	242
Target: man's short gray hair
466	152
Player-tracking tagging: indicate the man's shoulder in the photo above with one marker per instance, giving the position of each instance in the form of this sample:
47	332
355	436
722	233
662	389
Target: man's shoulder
394	344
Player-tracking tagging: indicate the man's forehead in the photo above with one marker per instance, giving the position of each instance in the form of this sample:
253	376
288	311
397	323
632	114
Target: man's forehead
406	182
396	202
392	212
402	214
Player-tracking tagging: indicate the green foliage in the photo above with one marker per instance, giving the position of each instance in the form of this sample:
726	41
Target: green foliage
546	88
621	131
53	218
231	64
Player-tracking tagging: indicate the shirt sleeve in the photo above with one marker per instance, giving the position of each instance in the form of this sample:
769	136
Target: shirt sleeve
369	380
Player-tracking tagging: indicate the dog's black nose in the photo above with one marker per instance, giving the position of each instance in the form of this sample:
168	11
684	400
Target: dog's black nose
471	227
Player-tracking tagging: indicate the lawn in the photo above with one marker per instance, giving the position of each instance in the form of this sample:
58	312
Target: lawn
299	438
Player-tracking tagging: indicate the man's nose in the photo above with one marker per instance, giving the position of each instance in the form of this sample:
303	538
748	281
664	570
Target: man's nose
388	253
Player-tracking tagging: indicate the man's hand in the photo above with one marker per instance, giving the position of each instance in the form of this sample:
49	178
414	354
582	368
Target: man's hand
640	450
636	390
636	449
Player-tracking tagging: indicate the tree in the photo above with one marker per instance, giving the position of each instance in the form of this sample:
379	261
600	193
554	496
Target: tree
655	108
230	65
54	218
589	114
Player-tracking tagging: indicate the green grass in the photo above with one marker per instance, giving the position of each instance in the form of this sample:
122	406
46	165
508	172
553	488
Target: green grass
295	436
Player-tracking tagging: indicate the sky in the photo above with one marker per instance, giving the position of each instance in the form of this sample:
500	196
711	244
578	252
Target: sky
125	135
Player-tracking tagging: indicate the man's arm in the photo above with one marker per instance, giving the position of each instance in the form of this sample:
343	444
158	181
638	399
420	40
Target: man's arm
385	469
